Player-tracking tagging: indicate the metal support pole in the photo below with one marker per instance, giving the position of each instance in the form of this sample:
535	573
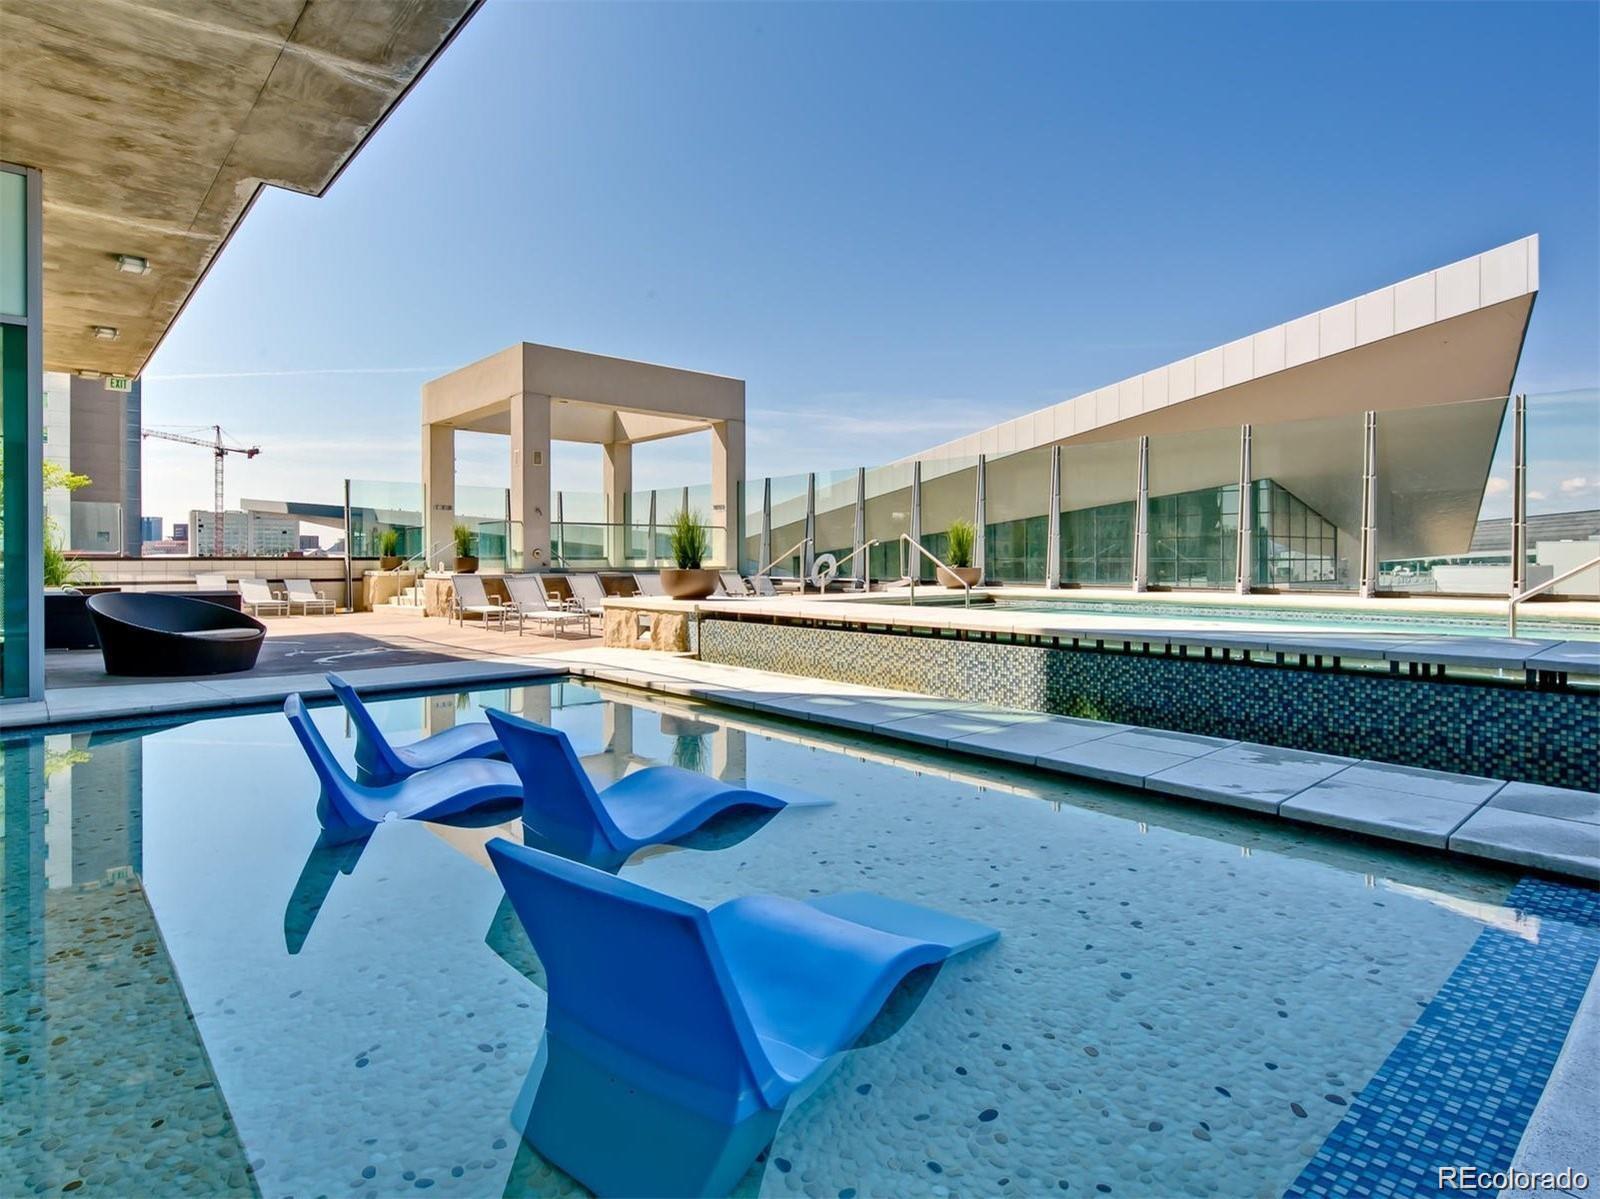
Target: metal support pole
913	565
766	519
1519	495
1244	567
349	575
1141	521
980	516
651	554
510	565
558	552
1369	507
808	553
1052	549
859	531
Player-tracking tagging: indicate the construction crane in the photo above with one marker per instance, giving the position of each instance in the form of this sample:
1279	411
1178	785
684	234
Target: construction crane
220	449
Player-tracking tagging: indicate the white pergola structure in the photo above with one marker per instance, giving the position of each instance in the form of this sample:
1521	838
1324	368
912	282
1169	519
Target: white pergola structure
538	394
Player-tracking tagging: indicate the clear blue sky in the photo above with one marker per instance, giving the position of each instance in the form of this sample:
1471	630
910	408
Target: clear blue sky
897	223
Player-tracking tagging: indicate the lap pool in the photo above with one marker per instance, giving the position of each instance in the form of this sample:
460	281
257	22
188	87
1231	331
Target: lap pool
199	998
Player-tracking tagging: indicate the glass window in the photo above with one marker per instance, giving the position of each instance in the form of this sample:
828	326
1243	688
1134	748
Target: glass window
1194	533
1017	530
1307	491
1099	483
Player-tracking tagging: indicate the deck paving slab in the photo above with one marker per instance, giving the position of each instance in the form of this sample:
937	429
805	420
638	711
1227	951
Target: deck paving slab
1417	817
1524	839
1024	740
1248	775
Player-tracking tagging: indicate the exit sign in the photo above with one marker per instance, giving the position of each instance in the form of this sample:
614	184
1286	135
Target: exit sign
118	383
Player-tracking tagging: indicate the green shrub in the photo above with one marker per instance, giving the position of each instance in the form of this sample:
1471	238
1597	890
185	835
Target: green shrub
465	538
963	538
690	543
389	543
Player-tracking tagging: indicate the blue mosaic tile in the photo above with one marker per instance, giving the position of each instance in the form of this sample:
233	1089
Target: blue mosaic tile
1460	1087
1499	731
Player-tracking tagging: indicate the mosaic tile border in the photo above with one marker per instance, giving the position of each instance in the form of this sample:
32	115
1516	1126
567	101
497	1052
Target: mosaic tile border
1460	1087
1549	737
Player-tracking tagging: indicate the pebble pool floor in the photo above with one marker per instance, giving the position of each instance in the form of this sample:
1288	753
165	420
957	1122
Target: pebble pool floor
1180	1003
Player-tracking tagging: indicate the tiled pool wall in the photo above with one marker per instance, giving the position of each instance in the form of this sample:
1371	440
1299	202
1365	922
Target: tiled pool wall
1502	731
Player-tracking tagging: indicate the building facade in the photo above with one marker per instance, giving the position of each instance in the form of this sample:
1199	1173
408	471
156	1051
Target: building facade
92	428
244	534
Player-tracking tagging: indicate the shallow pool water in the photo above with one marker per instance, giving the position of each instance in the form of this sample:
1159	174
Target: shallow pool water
1180	1002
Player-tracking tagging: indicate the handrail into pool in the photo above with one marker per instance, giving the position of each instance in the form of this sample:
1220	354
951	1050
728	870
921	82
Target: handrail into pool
801	544
1511	608
839	565
929	555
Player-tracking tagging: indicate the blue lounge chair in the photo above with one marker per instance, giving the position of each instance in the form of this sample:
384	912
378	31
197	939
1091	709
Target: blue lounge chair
675	1037
381	762
350	809
653	806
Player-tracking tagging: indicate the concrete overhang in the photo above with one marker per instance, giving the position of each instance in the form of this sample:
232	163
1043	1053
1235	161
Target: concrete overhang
1451	335
156	123
593	398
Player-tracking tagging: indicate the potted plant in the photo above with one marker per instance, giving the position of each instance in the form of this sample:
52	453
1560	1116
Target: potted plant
963	538
389	550
466	561
690	545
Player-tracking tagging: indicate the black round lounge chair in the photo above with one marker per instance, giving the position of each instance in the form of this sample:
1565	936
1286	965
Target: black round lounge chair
146	634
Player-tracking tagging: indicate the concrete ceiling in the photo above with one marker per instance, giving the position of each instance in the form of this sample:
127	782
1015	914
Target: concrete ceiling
156	122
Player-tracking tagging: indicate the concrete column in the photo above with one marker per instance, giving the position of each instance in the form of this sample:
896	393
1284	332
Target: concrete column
618	482
438	491
727	473
728	756
530	482
616	730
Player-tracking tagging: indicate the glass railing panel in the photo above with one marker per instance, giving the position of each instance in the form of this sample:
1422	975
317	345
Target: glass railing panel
1305	491
888	502
1016	532
752	493
788	522
836	516
949	494
1193	509
1099	486
375	508
1563	438
1437	467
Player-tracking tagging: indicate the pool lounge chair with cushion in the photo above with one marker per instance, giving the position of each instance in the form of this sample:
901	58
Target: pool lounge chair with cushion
145	634
653	806
261	601
675	1037
383	762
349	809
468	598
300	593
588	594
532	602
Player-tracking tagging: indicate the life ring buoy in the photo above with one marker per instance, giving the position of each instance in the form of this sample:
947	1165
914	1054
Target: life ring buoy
823	570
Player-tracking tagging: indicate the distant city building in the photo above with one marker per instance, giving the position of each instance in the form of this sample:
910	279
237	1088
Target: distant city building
310	541
94	431
167	548
150	528
244	534
180	530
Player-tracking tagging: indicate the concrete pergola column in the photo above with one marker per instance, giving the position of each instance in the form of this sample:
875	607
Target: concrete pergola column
727	477
528	540
439	490
617	469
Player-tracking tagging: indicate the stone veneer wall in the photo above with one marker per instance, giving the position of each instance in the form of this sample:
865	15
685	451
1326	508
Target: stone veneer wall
1508	732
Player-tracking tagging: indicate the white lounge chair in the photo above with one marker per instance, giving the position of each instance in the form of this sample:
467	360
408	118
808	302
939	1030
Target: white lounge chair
261	599
300	593
649	584
531	601
211	582
587	593
470	599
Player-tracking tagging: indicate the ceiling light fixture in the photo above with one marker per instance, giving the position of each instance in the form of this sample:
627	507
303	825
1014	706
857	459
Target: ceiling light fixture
105	332
133	264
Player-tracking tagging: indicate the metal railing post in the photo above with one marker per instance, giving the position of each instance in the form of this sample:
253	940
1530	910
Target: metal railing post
559	549
980	512
349	575
1519	495
1052	549
1369	506
916	547
654	558
912	564
859	528
808	556
1141	520
1244	567
766	520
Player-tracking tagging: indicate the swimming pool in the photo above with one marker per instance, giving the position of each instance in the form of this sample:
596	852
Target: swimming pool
1374	620
1181	1002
